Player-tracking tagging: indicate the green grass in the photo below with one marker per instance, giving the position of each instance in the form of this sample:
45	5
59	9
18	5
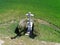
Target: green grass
8	30
48	34
48	10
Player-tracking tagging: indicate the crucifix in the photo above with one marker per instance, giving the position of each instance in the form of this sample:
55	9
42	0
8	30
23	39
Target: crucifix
29	23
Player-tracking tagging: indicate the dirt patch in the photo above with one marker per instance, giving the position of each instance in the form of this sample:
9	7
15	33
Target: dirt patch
26	41
48	24
49	43
38	20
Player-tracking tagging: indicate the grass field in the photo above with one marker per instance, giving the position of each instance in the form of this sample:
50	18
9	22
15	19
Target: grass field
44	9
48	10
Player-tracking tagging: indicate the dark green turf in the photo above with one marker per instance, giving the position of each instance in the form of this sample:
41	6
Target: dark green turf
48	10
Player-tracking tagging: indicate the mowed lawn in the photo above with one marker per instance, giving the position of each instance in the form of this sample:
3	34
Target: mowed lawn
48	10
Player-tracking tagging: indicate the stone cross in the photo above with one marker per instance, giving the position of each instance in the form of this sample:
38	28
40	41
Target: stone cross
29	23
29	16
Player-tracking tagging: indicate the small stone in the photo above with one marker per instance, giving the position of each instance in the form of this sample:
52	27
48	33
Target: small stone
1	42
